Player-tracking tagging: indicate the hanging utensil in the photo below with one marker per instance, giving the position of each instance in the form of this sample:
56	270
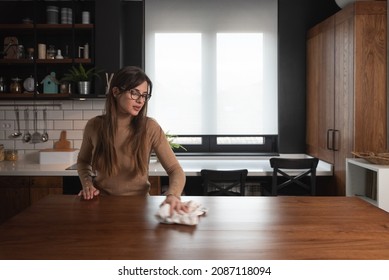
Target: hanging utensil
17	133
27	134
36	136
45	135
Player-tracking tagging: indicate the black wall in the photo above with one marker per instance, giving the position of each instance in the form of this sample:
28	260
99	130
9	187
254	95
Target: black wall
295	17
119	41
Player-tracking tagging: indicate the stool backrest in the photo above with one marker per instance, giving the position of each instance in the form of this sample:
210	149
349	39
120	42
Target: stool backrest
287	168
224	182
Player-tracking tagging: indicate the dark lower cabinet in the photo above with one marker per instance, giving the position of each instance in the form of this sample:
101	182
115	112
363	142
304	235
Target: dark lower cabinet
19	192
14	196
72	185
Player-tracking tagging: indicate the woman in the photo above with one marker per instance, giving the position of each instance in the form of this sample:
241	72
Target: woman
116	146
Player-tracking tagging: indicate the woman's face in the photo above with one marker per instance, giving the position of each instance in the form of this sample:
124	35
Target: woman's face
131	102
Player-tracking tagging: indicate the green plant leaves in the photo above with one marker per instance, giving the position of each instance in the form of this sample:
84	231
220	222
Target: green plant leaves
77	74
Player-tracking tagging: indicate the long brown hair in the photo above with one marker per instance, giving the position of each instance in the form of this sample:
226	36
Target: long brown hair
104	159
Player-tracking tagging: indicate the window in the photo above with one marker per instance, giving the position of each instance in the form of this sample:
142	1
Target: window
177	93
214	66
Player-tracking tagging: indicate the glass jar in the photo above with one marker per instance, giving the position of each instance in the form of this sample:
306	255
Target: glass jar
30	53
50	54
11	155
2	155
65	87
52	14
20	53
16	86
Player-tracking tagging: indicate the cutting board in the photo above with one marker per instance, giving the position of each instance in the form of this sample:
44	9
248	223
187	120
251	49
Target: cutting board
60	154
62	143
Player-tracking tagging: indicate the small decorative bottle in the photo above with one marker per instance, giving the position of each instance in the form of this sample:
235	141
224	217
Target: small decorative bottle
59	54
86	51
2	85
16	86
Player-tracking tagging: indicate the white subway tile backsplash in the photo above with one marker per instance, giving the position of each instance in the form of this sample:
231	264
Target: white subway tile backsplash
43	145
83	105
63	124
10	115
55	115
74	134
7	102
20	145
55	134
77	144
90	114
66	104
98	104
79	124
49	125
71	116
8	144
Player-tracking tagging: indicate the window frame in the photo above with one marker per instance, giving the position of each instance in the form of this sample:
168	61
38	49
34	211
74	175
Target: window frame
209	146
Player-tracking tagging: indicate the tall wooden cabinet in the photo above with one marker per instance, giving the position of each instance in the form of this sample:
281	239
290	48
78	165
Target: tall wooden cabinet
346	86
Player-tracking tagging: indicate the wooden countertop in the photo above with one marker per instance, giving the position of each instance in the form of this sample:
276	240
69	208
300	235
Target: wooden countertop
256	165
251	228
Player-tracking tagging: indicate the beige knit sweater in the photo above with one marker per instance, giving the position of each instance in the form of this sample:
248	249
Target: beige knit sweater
126	183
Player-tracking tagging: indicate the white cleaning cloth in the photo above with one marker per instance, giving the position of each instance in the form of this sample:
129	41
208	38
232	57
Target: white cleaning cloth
186	218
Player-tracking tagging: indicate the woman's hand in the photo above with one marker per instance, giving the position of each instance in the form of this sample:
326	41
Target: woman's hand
175	204
88	192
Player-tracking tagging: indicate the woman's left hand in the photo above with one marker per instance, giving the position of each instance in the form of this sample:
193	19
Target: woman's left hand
175	204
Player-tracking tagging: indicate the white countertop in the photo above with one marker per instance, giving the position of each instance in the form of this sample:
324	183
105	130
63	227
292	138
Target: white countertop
256	165
365	164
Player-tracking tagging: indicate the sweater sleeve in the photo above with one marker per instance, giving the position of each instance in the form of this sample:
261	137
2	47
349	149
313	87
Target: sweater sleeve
167	158
84	159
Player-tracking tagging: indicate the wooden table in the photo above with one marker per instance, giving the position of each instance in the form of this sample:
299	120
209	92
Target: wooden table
280	228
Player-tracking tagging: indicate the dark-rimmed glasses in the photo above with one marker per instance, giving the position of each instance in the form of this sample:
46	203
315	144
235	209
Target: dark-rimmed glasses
134	94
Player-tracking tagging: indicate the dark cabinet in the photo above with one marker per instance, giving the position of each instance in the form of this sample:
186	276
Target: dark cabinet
14	196
19	192
41	186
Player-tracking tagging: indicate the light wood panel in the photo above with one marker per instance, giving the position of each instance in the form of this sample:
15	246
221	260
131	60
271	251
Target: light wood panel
350	85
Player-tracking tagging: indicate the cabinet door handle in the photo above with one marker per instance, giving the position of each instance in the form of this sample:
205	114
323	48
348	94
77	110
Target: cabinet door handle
335	140
330	132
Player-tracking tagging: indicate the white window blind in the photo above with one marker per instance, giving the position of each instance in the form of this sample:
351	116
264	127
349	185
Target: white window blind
213	65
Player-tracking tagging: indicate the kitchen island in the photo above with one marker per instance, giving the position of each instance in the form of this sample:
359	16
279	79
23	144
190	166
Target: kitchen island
235	228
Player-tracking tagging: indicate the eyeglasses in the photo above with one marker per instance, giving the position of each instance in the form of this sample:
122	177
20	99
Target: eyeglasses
134	94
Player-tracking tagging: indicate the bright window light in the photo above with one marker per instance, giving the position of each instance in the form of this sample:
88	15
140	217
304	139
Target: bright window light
213	65
239	81
177	81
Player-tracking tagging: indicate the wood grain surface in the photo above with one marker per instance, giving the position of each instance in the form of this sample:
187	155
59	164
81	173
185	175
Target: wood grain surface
279	228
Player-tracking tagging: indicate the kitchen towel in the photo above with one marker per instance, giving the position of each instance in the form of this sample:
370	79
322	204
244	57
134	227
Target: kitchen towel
185	218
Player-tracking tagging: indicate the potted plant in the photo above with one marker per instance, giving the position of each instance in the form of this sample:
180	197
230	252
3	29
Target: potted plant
170	138
82	77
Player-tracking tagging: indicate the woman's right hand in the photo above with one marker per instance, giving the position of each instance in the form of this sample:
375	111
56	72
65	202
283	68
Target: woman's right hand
89	192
